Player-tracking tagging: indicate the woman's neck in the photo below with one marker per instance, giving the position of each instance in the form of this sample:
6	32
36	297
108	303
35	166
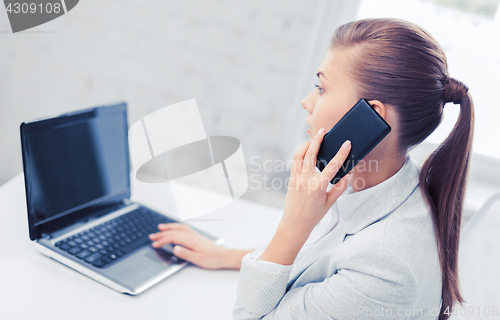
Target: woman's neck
373	170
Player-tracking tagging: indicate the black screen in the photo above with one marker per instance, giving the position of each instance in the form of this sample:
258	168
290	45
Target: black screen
74	162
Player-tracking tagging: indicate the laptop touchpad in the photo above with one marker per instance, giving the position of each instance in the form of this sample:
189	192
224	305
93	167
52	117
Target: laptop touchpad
162	256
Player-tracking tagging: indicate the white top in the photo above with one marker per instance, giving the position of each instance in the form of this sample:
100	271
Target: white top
340	212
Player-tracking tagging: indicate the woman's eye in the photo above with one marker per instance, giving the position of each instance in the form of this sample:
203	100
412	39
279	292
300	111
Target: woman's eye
319	88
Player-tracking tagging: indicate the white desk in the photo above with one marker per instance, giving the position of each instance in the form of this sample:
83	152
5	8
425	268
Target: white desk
37	287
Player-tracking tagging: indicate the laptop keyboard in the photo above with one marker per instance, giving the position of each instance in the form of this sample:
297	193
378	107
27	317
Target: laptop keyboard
107	242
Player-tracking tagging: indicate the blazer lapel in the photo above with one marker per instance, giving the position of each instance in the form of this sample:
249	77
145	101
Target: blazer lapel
386	200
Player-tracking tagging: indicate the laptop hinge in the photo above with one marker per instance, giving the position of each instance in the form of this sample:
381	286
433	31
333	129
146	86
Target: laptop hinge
128	202
46	236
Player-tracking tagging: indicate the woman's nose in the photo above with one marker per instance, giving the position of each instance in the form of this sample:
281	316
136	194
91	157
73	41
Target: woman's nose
308	102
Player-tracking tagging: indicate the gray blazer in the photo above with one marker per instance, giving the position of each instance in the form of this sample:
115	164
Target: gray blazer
387	267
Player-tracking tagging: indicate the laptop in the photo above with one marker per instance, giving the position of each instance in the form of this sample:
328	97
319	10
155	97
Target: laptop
77	179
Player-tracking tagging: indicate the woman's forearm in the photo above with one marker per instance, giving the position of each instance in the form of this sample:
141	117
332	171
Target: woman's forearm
232	258
284	246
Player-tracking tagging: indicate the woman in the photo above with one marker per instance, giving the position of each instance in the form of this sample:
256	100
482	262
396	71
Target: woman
383	242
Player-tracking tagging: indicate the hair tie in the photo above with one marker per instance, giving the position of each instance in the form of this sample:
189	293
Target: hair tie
454	90
446	80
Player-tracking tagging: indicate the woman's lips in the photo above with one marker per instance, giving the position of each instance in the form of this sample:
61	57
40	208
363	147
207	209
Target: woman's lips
309	130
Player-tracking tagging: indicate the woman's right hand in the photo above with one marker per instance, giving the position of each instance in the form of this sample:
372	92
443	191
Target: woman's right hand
196	248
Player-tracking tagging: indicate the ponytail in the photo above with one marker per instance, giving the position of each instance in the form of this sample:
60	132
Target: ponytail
442	181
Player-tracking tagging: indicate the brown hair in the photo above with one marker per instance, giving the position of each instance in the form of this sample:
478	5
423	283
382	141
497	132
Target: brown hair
403	66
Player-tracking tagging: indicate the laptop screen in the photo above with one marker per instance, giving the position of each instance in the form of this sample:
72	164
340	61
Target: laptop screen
75	164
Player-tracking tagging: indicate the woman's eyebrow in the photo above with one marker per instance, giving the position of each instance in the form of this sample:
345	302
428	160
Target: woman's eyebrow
321	73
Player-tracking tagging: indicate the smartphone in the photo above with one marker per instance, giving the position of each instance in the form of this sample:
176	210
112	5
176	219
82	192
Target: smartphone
363	126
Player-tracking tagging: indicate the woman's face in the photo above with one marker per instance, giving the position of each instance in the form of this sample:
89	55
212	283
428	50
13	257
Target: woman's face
333	97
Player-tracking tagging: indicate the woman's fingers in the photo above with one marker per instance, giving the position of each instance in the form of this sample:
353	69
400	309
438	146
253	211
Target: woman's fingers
173	225
176	236
190	245
167	226
312	151
186	254
337	190
298	157
334	165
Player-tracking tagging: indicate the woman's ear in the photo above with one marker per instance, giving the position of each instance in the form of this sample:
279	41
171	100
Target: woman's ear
379	107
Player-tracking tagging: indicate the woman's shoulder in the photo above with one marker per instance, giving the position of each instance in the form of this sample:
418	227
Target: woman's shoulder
410	225
406	233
